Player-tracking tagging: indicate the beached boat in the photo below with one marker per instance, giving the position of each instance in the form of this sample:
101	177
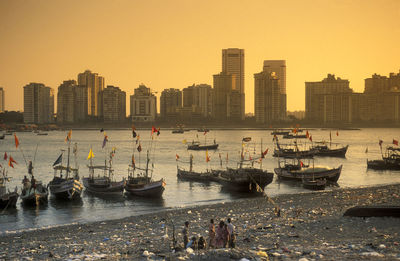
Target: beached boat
299	171
190	175
102	184
8	199
140	181
390	160
373	211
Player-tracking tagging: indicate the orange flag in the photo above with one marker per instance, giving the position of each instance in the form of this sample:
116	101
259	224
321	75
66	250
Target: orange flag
16	140
207	157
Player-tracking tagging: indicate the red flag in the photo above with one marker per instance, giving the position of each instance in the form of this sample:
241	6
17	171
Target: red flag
337	133
16	140
264	153
153	129
396	142
310	138
177	156
307	134
12	160
139	148
5	156
301	164
133	161
380	142
207	157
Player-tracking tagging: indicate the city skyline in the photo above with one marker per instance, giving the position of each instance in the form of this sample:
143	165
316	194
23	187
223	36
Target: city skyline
131	42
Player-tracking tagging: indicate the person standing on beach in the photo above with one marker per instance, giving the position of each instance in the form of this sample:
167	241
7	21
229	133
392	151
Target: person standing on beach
211	234
225	235
231	231
185	233
220	235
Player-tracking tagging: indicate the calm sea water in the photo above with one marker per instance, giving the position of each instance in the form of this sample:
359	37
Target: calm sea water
44	150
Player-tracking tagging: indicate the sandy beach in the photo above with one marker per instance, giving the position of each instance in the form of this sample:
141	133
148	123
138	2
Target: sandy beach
311	226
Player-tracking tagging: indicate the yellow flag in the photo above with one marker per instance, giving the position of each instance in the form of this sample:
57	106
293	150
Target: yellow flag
184	141
91	155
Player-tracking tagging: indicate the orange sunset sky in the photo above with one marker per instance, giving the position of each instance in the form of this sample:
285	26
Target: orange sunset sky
175	43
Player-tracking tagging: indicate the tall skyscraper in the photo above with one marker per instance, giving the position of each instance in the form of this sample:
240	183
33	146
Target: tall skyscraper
66	102
269	98
223	85
143	105
94	84
38	103
233	63
2	107
81	103
277	67
170	102
113	104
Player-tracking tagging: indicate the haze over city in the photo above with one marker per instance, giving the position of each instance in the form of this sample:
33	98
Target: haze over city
173	44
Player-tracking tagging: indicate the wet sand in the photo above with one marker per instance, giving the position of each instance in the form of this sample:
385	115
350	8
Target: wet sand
311	226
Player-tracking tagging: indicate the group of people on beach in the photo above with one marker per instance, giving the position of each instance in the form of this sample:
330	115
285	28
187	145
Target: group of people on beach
222	236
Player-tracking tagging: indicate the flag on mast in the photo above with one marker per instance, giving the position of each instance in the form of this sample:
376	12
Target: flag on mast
91	155
58	160
5	156
207	157
16	140
68	138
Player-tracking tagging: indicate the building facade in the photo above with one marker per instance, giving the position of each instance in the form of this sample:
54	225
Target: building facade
269	98
330	101
278	68
233	63
170	103
199	98
113	104
94	84
38	103
2	104
143	106
81	103
66	102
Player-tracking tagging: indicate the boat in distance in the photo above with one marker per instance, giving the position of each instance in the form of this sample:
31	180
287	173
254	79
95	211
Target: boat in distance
324	150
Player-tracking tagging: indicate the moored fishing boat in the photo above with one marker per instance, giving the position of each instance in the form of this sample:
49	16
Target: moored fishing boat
190	175
390	160
323	150
34	192
299	171
66	184
8	199
314	184
140	180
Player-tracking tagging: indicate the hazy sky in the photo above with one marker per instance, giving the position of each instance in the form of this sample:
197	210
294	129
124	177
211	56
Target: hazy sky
175	43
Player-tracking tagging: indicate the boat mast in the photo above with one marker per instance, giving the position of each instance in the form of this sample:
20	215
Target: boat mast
262	154
147	164
69	148
191	163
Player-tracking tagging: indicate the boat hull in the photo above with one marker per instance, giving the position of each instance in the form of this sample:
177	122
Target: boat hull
314	184
9	200
35	196
331	175
245	179
293	154
203	147
66	189
340	152
383	165
111	188
151	189
373	211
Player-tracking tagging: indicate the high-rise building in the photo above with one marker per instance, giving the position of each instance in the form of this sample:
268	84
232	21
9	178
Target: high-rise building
2	107
226	99
233	63
81	103
38	103
113	104
143	105
329	100
269	97
278	68
66	102
199	98
94	84
170	102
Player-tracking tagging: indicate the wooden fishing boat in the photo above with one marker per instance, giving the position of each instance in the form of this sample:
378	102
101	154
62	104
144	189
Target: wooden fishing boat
65	184
291	136
373	211
194	145
103	184
244	179
34	192
140	181
314	184
8	199
323	150
300	171
390	160
197	176
292	151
